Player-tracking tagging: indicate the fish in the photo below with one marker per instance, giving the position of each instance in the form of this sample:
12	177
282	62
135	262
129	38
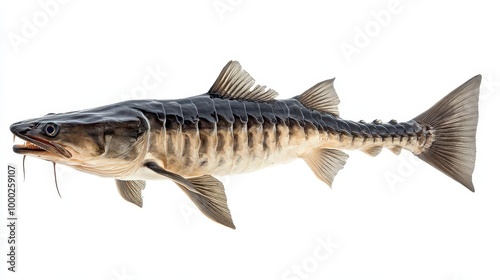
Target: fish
239	126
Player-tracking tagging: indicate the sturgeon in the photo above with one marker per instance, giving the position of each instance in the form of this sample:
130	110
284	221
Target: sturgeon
239	126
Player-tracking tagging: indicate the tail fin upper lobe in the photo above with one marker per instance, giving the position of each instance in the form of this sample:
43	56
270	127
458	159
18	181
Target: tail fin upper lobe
454	122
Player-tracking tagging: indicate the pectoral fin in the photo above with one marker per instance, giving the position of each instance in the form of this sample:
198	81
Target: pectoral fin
205	191
325	163
210	199
131	191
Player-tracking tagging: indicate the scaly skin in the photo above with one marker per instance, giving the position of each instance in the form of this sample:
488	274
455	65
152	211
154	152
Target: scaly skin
250	139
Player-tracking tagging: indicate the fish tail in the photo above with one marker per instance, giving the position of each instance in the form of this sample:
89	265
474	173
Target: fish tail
453	124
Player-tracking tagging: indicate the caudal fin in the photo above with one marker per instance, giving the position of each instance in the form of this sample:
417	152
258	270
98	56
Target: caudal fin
454	122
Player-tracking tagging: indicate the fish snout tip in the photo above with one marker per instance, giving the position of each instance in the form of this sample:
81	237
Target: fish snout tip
19	128
14	128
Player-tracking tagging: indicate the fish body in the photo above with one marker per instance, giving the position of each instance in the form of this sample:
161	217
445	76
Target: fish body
240	127
211	135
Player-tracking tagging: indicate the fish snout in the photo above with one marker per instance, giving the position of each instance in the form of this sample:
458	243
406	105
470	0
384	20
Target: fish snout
20	128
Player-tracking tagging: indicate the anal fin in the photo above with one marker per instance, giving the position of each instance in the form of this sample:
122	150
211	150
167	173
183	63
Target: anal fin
325	163
395	149
373	150
131	191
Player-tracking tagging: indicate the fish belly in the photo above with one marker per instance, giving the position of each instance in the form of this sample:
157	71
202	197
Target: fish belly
239	147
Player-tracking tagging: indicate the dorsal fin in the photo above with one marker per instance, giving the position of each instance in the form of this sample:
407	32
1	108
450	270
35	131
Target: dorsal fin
235	83
321	97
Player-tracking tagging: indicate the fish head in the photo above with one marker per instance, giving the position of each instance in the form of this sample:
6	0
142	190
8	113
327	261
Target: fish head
107	141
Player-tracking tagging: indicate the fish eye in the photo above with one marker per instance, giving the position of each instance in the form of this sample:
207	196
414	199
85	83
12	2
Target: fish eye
51	129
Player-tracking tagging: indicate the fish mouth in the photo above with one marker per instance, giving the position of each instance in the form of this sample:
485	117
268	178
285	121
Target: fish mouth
39	146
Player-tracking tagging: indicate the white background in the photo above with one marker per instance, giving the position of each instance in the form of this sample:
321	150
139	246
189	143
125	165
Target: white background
419	225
